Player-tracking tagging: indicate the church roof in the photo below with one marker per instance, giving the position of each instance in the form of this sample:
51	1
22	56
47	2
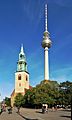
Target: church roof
13	93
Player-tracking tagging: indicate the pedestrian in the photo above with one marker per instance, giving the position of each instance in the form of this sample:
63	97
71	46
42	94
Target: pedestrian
46	108
43	110
0	109
18	109
56	108
10	110
52	108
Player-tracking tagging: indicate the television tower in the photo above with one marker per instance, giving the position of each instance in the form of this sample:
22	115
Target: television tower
46	44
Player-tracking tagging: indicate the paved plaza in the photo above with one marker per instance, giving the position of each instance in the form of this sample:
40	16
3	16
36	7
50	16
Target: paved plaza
36	114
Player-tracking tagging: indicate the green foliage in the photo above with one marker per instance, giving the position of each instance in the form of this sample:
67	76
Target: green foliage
19	101
45	92
49	92
7	101
66	92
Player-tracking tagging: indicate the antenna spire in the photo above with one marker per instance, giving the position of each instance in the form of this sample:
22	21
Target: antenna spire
46	17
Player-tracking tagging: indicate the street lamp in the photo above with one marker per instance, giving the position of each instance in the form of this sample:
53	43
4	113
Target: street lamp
0	103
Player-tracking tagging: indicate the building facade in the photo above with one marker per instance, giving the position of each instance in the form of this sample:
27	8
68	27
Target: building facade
21	76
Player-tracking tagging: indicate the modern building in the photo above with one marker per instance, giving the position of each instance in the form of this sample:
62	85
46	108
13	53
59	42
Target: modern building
21	76
46	44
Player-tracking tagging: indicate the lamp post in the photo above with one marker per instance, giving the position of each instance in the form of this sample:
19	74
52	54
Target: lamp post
0	103
63	92
71	107
70	88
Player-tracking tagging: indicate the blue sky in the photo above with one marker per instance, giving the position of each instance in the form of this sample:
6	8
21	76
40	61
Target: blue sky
22	21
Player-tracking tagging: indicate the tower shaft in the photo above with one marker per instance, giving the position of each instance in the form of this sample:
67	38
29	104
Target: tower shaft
46	64
46	44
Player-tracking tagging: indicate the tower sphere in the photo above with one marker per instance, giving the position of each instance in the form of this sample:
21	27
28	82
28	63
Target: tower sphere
46	41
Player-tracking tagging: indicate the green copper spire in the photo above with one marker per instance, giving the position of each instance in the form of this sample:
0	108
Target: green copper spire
21	64
22	56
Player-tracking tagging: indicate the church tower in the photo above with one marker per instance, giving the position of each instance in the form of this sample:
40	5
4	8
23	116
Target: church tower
21	77
21	74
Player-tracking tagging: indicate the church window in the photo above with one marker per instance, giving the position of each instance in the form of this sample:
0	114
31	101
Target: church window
19	77
19	84
26	78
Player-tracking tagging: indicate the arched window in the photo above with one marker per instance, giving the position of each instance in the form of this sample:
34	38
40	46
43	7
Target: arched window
26	78
19	84
19	77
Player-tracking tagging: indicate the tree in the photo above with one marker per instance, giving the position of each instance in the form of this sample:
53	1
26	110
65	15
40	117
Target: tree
7	101
66	92
49	92
19	101
45	92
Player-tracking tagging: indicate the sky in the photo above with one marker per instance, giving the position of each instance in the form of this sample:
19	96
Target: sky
22	22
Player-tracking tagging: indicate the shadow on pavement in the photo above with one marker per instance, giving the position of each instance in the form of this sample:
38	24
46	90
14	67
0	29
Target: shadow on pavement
65	116
26	117
66	110
39	112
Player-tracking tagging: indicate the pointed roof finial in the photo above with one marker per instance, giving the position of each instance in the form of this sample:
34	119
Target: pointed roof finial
46	17
22	51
